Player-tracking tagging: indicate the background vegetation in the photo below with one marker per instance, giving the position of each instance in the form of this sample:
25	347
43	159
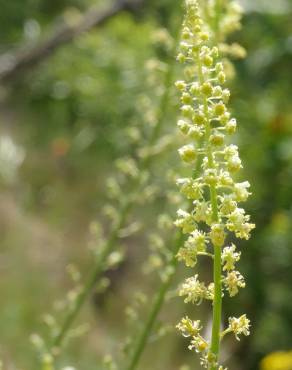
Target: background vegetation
62	126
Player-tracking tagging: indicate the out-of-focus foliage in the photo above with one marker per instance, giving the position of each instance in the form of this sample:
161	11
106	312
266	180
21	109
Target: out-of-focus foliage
61	128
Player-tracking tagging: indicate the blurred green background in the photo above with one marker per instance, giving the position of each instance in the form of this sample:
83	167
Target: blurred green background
62	125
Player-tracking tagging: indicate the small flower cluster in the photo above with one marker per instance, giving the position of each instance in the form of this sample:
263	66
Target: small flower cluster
195	291
239	326
205	121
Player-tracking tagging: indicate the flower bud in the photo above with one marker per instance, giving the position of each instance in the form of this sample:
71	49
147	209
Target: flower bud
219	109
225	96
217	235
234	163
231	126
217	92
187	110
221	77
199	118
224	118
186	98
188	153
194	89
184	126
217	139
204	36
207	60
181	58
186	33
180	85
195	132
207	89
219	67
210	176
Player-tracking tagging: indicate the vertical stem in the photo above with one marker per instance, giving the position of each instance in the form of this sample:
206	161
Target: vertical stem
160	296
93	276
217	303
155	308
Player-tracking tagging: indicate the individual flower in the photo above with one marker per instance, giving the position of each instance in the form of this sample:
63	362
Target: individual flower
240	191
188	153
194	290
199	344
239	326
202	211
189	328
185	221
195	244
217	234
233	281
192	189
238	223
230	257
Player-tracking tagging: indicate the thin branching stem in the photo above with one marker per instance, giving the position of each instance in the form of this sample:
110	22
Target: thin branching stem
160	296
93	276
111	242
155	307
217	303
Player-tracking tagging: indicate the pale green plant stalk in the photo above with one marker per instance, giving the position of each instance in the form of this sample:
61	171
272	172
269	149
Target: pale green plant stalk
158	299
127	205
217	302
97	270
215	195
156	305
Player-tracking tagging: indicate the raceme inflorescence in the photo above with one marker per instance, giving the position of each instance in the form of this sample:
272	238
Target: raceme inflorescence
215	195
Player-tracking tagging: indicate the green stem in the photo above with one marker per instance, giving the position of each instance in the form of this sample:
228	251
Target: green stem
217	303
155	308
92	278
160	296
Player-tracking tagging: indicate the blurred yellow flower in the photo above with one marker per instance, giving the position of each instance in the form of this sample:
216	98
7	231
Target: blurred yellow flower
277	361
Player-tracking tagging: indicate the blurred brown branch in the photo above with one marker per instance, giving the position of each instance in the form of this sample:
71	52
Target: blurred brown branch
13	63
